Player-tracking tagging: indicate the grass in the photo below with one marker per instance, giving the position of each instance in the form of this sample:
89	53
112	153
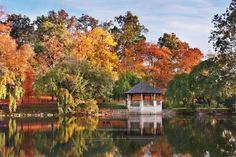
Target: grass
111	106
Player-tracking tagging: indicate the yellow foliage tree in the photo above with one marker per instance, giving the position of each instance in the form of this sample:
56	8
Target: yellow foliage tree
97	47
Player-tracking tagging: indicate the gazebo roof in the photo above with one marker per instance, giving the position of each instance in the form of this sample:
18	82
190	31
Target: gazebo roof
143	87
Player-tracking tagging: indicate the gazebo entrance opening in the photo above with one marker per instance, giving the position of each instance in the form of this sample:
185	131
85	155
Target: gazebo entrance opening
148	99
145	99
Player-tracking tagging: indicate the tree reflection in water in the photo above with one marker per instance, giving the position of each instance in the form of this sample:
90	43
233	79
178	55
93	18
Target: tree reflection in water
201	137
82	136
10	142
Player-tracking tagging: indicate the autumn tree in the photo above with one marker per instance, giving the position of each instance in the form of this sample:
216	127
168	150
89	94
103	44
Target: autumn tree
149	61
96	46
51	54
158	66
184	58
56	24
52	39
159	63
13	63
132	61
127	31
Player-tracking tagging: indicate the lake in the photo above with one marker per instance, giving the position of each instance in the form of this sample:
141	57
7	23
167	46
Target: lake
132	136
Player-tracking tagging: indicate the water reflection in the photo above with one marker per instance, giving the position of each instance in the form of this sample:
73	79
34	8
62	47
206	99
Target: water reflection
129	136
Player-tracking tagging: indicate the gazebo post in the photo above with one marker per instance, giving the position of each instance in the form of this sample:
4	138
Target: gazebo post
154	101
128	100
141	101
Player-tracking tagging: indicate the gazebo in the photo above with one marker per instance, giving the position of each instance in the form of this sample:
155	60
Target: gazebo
144	99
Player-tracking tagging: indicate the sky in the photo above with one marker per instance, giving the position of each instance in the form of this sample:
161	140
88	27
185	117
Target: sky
190	20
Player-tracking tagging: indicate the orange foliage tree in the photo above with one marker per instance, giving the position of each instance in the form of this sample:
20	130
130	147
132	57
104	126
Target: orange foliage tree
52	53
184	57
13	63
149	61
158	63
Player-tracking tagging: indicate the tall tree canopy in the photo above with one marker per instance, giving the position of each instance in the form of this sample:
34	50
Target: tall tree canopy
96	46
223	37
127	31
206	82
57	24
172	42
184	58
21	29
13	64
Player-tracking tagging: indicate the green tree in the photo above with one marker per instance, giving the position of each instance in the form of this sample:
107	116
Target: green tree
74	85
172	42
66	83
125	82
87	23
99	82
11	88
223	37
127	31
178	92
206	82
21	29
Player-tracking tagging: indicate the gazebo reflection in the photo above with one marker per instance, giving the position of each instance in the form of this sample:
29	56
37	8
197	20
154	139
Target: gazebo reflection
145	125
134	125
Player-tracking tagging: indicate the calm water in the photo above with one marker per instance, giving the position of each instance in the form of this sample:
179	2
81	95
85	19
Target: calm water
132	136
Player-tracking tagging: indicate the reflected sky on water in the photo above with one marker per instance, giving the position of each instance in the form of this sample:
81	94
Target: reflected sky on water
133	136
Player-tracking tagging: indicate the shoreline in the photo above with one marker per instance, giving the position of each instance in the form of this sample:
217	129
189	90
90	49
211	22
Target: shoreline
122	113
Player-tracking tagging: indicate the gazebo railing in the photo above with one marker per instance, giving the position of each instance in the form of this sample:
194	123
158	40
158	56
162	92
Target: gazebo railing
135	103
148	103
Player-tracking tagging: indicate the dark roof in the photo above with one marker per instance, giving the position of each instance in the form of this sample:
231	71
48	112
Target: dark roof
143	88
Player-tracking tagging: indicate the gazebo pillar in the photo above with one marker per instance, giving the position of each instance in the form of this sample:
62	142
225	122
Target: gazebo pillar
141	101
128	99
154	101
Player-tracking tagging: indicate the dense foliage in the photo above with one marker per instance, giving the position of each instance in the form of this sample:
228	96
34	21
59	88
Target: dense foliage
80	59
75	84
